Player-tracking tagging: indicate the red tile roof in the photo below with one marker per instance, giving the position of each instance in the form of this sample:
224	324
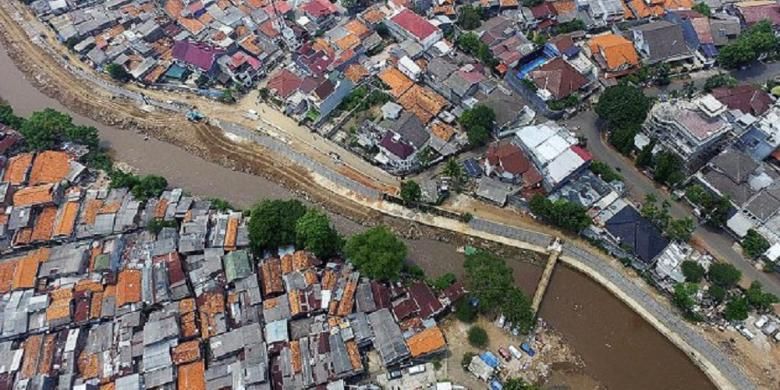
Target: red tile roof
508	158
747	98
199	55
414	24
559	78
284	83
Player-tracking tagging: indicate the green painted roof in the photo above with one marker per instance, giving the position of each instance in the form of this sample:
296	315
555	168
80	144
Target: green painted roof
237	265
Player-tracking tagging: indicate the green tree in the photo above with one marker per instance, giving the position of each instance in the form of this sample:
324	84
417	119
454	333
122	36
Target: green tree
121	179
454	170
478	123
8	118
84	135
118	72
622	138
570	26
314	233
702	8
273	224
478	337
410	192
469	17
43	129
221	204
156	225
623	106
667	169
717	293
724	275
517	310
488	279
683	296
532	3
645	156
466	360
736	54
758	299
757	40
519	384
604	171
693	271
377	252
680	229
470	44
754	244
150	186
736	309
227	96
443	281
464	311
561	213
719	80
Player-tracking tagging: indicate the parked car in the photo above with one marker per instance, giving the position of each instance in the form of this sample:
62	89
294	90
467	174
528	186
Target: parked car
504	353
515	352
418	369
394	374
527	349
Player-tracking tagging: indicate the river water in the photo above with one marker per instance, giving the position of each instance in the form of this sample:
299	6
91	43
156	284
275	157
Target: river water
620	350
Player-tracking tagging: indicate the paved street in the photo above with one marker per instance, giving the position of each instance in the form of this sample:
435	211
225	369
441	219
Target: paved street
638	185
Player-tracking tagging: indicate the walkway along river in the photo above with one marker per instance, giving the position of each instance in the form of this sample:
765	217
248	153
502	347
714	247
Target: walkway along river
620	349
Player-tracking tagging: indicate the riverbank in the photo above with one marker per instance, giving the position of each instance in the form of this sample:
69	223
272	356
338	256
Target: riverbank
189	171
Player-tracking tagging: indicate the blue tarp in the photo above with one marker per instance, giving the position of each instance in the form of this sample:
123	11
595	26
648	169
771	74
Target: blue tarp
489	359
527	349
496	385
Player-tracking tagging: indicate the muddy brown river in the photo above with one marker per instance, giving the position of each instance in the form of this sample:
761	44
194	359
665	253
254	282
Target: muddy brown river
620	350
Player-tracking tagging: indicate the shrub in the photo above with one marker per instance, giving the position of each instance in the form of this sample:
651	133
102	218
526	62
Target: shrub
478	337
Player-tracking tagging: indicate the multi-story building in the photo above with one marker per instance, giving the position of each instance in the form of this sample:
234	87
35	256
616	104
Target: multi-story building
695	131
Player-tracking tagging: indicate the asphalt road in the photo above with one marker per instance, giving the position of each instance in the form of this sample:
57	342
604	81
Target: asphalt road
638	185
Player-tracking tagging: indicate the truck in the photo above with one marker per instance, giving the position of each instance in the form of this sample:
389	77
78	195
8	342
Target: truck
515	352
504	353
418	369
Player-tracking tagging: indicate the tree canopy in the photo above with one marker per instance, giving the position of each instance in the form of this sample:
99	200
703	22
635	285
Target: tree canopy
517	310
478	123
561	213
273	224
680	229
314	233
478	337
719	80
754	244
702	8
737	309
43	129
758	299
470	44
683	296
377	252
724	275
751	44
622	106
469	17
668	169
118	72
519	384
693	271
410	191
604	171
8	118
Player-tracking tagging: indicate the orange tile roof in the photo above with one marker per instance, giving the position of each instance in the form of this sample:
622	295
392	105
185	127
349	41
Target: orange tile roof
88	365
88	285
31	196
50	166
616	50
44	224
348	41
396	80
373	16
627	13
671	5
358	28
186	352
347	299
187	305
301	260
110	208
47	354
310	276
189	327
160	207
564	6
424	103
26	272
643	10
444	10
192	376
328	280
443	131
108	386
295	356
194	26
59	307
231	233
294	299
7	271
427	341
66	219
91	210
206	18
128	287
32	351
209	305
96	305
287	264
356	72
354	355
271	272
23	237
18	166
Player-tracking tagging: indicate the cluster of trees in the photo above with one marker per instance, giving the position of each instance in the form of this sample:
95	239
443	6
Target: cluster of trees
754	244
561	213
719	80
362	99
142	187
118	72
702	8
489	280
751	44
676	229
714	209
478	123
667	168
377	253
604	171
410	192
469	17
470	44
45	129
623	108
570	26
478	337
